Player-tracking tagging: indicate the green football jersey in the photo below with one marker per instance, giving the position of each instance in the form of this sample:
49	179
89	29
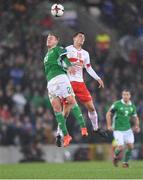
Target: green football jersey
122	114
56	62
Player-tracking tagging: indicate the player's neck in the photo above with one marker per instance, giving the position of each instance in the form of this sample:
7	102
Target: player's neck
126	102
78	47
51	47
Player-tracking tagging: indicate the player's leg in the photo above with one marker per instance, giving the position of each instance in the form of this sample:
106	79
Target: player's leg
59	136
57	107
67	107
129	140
65	91
78	116
75	109
93	116
58	88
118	136
85	98
127	155
71	105
66	111
92	113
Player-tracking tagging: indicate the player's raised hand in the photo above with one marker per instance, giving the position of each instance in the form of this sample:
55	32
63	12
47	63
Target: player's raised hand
72	70
101	83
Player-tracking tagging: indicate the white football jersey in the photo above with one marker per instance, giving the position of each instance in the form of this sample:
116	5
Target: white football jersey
81	59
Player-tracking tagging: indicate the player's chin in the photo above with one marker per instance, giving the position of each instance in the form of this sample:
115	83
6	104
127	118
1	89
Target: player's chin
81	43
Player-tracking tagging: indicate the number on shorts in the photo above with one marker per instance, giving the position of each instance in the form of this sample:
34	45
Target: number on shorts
69	90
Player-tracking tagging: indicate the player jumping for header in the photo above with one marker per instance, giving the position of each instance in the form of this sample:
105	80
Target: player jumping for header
56	65
80	59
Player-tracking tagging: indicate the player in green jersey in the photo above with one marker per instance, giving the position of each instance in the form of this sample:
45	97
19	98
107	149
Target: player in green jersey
56	65
121	112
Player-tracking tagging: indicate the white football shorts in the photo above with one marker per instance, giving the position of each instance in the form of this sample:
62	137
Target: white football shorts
59	87
124	137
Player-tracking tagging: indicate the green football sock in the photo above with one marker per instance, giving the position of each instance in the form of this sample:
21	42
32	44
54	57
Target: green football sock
127	155
117	152
61	122
78	115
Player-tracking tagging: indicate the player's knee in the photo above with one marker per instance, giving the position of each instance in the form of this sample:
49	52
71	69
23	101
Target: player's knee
66	114
120	148
57	108
71	101
91	108
131	146
89	105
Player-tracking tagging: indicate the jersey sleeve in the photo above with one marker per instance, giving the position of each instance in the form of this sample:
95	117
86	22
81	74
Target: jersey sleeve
87	60
113	108
63	59
68	51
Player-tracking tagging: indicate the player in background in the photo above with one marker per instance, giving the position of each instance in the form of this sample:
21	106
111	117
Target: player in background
59	86
80	59
121	112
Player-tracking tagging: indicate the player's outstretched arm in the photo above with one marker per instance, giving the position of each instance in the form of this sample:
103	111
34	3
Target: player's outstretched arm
101	83
109	120
94	75
136	127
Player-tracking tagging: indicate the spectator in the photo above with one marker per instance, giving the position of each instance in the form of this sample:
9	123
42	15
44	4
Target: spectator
103	42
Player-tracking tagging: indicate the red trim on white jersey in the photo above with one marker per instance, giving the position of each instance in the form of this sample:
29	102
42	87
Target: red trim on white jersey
88	65
73	59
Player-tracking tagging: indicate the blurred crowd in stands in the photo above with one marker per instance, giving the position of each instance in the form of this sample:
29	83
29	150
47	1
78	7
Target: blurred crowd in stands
26	117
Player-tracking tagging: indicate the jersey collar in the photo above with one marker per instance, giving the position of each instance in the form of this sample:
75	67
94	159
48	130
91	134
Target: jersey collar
52	48
129	103
76	48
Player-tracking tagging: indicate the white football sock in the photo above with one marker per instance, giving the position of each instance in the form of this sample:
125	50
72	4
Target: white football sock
59	131
94	119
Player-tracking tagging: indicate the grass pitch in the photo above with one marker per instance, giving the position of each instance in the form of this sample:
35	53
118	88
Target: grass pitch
71	170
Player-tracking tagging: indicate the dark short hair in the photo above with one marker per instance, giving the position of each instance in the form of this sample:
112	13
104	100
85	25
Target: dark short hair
126	90
55	35
79	32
